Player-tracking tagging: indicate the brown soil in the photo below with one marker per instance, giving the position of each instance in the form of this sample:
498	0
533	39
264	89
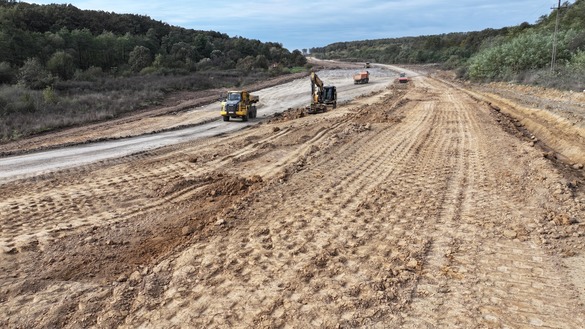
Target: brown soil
425	206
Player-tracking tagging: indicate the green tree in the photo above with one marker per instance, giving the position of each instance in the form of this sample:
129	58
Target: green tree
105	54
83	42
139	58
202	46
61	64
246	64
261	62
297	58
181	52
33	75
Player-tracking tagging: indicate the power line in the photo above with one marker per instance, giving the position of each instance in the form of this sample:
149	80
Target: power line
554	47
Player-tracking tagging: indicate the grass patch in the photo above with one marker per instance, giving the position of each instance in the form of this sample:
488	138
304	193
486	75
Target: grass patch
298	69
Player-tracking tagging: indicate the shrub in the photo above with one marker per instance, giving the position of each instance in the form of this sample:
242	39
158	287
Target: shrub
61	65
33	75
6	73
91	74
49	95
139	58
578	61
529	51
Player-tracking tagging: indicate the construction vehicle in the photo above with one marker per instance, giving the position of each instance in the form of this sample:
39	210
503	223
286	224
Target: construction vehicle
402	78
239	104
321	96
362	77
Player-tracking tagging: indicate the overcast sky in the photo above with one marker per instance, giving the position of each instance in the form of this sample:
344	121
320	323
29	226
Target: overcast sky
305	24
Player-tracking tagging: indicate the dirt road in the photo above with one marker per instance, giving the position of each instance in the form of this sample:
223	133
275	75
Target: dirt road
417	207
194	123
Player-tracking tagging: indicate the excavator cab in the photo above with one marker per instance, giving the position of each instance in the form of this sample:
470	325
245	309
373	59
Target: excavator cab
329	95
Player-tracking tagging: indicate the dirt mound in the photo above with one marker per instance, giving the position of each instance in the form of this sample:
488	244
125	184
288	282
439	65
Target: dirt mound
375	113
289	114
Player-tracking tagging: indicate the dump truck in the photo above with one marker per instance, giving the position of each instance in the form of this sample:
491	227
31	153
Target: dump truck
402	78
321	96
239	104
362	77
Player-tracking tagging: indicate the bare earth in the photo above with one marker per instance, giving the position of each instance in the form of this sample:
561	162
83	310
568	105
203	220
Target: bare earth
432	205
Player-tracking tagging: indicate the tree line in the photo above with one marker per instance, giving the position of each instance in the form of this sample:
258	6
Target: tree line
414	50
60	41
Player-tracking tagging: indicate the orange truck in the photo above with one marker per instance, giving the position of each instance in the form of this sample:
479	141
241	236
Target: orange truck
362	77
403	78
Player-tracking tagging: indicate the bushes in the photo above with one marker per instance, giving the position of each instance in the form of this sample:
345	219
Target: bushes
578	61
564	78
33	75
529	51
7	73
24	112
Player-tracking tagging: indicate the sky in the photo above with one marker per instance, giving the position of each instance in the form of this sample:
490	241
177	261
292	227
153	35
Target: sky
304	24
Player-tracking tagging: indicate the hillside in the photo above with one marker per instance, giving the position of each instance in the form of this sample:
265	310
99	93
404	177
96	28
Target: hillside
108	40
519	53
61	66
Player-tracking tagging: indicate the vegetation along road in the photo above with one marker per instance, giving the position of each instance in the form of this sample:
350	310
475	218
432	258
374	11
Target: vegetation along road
419	205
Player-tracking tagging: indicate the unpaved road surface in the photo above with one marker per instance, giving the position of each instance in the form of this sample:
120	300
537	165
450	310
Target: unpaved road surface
196	122
421	206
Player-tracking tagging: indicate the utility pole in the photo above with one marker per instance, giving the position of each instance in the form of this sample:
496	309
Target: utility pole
554	47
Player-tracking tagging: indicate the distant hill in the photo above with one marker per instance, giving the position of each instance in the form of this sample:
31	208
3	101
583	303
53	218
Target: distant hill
64	39
414	50
522	53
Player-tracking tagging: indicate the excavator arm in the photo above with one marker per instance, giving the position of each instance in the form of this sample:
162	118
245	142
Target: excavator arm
316	88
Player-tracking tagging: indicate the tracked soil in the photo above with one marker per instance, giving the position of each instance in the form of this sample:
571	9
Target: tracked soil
424	206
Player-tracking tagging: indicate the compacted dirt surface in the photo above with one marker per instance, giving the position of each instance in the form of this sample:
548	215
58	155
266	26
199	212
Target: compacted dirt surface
422	205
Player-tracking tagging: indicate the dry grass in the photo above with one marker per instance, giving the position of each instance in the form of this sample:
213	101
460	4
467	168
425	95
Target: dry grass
564	78
25	112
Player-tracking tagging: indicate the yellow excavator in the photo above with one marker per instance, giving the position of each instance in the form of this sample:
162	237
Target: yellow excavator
321	96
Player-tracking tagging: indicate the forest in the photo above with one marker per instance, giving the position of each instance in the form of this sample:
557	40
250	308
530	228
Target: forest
520	53
62	66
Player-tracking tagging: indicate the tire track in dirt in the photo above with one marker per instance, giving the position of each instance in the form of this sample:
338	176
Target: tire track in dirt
416	212
33	222
510	295
89	201
306	260
455	144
